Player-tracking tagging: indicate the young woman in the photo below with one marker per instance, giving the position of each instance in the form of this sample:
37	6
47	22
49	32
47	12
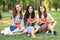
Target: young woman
17	21
45	21
29	20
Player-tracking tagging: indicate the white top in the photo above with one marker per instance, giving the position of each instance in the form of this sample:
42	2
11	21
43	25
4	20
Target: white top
17	19
48	17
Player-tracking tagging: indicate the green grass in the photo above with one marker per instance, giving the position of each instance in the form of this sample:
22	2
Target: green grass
40	36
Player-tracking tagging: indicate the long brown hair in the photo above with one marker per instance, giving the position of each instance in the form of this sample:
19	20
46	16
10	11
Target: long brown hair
27	12
15	12
45	14
26	16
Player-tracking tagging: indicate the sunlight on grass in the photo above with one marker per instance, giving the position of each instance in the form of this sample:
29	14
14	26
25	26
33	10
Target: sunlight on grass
6	21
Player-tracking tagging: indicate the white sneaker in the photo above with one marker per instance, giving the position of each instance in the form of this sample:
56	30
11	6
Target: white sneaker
11	33
47	32
5	34
2	32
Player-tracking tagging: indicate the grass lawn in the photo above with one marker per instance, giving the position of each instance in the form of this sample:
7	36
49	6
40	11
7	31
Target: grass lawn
6	20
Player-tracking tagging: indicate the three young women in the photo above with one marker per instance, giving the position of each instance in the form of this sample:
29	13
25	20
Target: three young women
46	22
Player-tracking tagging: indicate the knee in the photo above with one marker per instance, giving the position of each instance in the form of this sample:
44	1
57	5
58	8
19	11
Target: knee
55	22
49	26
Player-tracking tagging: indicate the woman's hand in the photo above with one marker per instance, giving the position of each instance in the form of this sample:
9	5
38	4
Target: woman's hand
33	20
17	24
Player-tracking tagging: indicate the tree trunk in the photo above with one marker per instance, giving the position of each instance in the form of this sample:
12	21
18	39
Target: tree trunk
3	6
0	16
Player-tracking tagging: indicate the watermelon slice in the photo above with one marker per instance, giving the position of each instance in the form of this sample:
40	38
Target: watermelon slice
31	20
43	19
17	23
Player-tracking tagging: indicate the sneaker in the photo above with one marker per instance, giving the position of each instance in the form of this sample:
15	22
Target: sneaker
48	32
2	32
11	34
54	33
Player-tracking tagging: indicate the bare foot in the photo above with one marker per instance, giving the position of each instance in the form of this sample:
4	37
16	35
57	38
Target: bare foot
29	35
33	36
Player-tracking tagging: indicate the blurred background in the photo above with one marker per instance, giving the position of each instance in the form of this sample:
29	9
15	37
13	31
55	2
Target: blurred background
6	7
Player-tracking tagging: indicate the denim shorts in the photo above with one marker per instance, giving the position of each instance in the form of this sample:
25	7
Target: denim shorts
40	24
29	27
12	28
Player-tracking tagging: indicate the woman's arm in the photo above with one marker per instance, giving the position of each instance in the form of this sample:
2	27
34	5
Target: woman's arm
53	22
12	21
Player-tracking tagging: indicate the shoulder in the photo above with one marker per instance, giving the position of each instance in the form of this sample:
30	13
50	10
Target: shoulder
48	15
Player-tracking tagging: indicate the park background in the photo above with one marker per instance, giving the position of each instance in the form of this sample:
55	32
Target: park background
6	7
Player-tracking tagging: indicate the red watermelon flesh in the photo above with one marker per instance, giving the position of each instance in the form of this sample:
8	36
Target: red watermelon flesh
43	19
17	23
31	20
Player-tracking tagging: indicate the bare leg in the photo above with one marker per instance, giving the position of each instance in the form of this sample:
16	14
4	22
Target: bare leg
51	27
44	27
29	35
53	24
24	31
20	30
32	33
17	31
37	29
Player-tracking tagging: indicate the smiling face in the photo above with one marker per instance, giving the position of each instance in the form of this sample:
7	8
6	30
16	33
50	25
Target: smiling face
17	11
42	9
30	9
18	8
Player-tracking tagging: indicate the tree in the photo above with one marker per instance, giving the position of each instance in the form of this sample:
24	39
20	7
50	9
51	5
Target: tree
0	10
23	4
0	16
56	4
